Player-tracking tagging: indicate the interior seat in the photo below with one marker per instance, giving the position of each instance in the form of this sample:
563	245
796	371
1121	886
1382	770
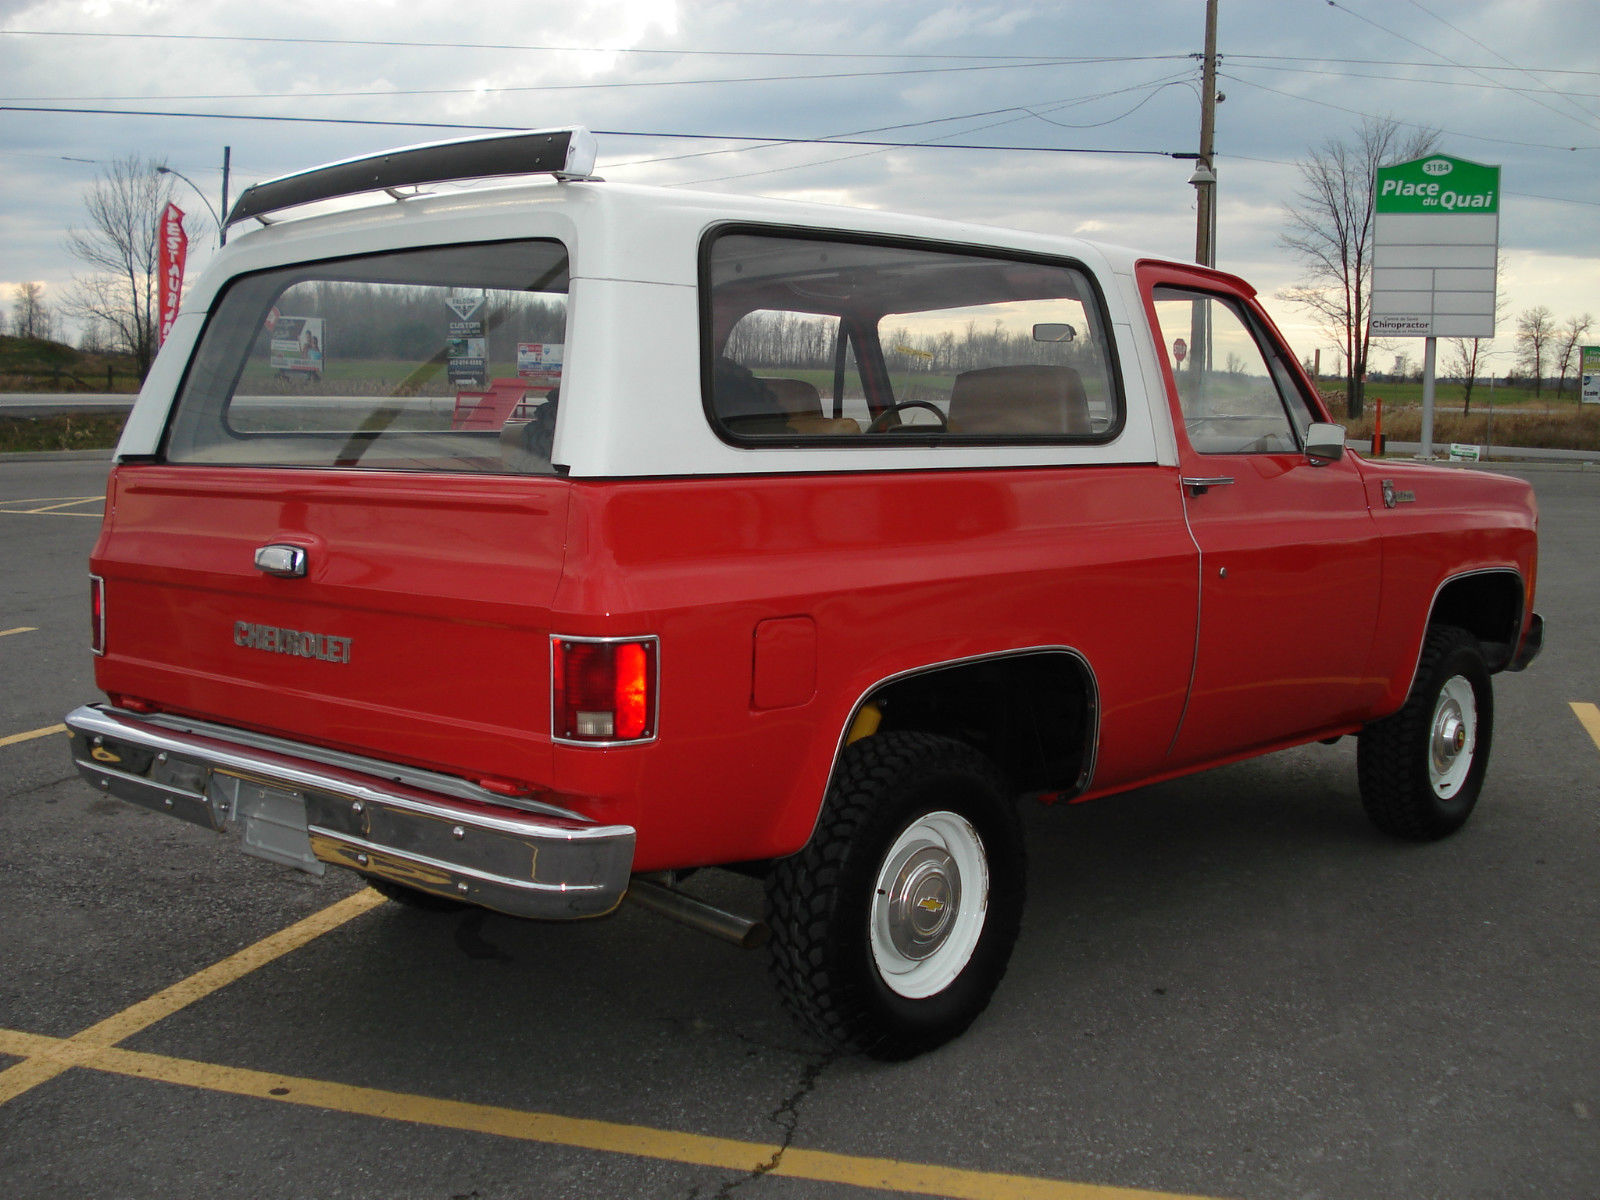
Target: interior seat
1020	400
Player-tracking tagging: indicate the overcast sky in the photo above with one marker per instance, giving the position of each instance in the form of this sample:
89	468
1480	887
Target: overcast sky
1515	83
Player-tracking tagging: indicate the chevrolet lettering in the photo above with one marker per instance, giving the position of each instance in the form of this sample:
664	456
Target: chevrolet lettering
814	545
292	641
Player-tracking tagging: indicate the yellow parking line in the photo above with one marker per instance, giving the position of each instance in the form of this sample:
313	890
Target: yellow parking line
48	512
639	1141
19	629
81	1047
31	734
96	1049
1589	716
50	500
51	506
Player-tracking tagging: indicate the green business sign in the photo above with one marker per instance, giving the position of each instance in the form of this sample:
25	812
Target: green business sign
1438	184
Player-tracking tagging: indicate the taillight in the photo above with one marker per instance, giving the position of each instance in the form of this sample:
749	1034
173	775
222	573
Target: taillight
97	614
603	690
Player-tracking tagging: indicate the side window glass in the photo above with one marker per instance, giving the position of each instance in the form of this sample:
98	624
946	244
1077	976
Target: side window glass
1233	400
859	341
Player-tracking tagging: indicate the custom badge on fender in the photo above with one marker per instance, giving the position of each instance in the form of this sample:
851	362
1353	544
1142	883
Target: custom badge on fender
296	642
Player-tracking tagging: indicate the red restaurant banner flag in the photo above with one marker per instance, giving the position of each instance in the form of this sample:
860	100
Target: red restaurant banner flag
171	255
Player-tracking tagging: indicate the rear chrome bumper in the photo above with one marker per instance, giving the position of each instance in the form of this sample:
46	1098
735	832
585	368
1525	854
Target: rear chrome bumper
305	806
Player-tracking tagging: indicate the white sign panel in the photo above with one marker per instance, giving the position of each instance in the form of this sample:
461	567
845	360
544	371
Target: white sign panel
1436	237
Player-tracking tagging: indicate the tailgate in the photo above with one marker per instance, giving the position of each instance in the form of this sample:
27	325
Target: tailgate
418	631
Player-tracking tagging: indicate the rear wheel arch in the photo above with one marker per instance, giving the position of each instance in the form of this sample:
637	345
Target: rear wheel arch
1033	712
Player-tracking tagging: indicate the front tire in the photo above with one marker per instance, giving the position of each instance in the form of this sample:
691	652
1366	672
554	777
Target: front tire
892	928
1421	769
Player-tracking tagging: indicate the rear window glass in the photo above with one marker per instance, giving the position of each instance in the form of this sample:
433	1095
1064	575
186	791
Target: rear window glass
445	359
811	338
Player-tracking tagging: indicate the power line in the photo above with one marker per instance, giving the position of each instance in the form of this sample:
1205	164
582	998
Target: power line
900	56
1049	105
526	48
1554	199
1304	70
1409	124
1539	82
1024	114
1389	62
1453	62
809	77
124	112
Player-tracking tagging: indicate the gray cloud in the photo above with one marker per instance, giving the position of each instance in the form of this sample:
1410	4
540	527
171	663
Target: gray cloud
1287	73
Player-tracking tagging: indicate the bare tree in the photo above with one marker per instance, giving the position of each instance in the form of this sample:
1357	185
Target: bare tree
1468	354
1567	340
1330	231
120	246
1465	355
97	338
29	311
1536	331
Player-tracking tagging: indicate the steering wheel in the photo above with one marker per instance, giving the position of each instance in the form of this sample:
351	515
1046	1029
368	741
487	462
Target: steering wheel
880	423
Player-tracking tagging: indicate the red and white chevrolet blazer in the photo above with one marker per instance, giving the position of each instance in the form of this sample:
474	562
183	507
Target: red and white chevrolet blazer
529	545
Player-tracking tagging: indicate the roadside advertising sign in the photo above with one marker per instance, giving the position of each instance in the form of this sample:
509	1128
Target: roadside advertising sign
466	347
1589	374
1436	238
171	254
297	344
540	363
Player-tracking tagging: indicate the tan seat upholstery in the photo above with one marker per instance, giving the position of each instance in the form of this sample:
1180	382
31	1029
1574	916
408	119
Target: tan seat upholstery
795	397
798	407
816	425
1021	400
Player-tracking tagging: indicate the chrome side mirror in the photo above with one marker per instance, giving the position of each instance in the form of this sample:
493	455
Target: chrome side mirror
1325	444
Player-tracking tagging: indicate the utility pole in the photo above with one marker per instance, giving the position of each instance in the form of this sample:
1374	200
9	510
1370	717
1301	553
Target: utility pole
1204	180
1205	172
222	229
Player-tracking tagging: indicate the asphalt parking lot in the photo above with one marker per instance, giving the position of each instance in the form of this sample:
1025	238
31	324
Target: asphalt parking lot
1226	986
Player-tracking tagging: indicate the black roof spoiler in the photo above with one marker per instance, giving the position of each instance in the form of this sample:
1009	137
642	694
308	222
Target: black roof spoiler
565	153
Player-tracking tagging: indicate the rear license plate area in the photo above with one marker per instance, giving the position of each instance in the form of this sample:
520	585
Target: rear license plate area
268	820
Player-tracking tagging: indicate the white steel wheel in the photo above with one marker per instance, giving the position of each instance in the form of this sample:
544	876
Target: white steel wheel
1454	737
929	904
1422	768
893	925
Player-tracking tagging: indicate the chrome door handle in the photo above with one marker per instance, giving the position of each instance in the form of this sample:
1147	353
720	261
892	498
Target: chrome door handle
1199	486
289	562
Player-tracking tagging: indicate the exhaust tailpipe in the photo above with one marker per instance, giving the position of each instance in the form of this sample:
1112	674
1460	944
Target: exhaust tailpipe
697	914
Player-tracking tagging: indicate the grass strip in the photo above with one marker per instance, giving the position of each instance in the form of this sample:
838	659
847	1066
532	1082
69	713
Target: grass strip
70	431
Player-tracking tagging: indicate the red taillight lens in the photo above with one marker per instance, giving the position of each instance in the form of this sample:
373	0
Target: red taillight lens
603	691
97	614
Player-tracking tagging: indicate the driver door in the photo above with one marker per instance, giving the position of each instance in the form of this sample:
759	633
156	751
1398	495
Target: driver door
1289	558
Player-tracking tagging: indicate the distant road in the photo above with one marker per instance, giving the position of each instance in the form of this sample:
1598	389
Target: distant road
45	404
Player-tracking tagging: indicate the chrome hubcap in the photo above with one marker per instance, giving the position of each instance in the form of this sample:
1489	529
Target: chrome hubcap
929	904
1454	737
922	900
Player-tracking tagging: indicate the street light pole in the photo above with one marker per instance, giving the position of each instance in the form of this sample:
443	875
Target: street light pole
222	231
